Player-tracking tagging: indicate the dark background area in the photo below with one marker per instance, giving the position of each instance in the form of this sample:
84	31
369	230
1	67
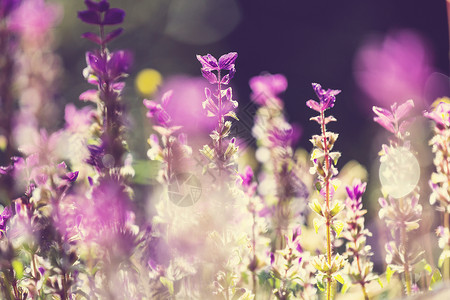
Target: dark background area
307	41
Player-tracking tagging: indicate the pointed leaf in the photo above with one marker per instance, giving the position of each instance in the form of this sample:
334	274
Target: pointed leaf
389	273
338	226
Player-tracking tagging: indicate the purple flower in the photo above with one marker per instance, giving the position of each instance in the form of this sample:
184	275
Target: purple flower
395	66
281	136
99	13
158	111
326	97
355	192
265	88
7	6
247	176
391	119
210	64
441	114
109	68
4	217
34	18
78	120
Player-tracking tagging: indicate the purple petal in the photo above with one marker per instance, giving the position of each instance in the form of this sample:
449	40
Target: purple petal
92	5
226	61
89	16
119	63
210	76
89	95
112	35
208	62
313	105
385	123
92	37
113	16
96	62
166	98
71	176
379	111
404	109
225	79
103	6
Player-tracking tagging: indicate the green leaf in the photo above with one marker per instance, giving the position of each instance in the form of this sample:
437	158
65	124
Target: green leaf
335	156
338	226
389	273
167	283
232	114
345	287
316	207
317	224
379	282
444	255
320	285
428	268
437	277
339	278
337	208
18	268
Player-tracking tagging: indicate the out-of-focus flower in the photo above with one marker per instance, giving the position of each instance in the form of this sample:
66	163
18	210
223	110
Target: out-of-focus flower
7	6
392	120
78	120
394	67
267	87
4	217
34	18
158	111
441	114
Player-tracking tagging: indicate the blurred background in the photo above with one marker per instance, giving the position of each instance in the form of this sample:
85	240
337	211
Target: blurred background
376	52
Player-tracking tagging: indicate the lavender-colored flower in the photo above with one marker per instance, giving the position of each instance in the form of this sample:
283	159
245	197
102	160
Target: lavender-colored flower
326	97
8	6
210	64
109	68
158	111
267	87
395	66
100	13
4	217
355	192
34	18
393	120
441	115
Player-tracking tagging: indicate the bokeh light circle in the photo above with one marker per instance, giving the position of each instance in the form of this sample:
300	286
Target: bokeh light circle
399	172
148	81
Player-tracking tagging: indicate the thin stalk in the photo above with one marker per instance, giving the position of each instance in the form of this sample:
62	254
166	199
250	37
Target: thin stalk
404	242
220	128
363	286
327	200
254	251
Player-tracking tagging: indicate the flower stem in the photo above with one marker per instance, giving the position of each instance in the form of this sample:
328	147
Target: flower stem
363	287
404	242
327	199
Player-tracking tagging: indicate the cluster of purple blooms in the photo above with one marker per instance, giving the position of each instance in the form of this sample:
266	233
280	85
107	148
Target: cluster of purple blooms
284	224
